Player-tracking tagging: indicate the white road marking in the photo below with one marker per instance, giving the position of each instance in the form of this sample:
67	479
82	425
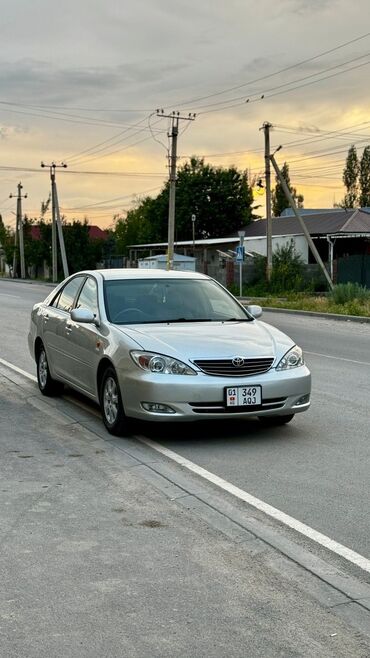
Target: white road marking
338	358
277	514
305	530
19	370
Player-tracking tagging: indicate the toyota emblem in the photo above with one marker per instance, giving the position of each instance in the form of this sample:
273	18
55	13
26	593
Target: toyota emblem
238	361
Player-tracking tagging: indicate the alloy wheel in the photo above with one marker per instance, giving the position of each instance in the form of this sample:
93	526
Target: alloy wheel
43	369
110	400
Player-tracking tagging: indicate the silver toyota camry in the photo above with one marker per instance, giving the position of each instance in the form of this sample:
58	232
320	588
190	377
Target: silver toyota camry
165	345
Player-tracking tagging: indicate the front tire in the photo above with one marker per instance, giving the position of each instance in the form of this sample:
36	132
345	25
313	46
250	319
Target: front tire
114	417
47	385
275	421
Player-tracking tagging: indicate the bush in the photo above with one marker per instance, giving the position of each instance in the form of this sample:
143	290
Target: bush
287	270
349	292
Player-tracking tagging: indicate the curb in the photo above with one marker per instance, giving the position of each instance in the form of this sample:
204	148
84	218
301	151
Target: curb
315	314
328	316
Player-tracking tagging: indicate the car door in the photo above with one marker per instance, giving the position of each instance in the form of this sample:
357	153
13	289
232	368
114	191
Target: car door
84	340
56	329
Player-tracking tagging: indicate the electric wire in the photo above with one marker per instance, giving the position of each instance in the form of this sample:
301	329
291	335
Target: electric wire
74	156
270	75
267	95
80	161
285	84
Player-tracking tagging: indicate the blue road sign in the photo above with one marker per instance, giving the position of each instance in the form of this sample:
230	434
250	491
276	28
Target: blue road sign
239	253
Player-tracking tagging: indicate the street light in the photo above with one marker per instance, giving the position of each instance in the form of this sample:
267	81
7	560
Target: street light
193	218
240	258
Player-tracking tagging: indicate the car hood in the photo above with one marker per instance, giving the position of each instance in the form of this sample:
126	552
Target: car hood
193	340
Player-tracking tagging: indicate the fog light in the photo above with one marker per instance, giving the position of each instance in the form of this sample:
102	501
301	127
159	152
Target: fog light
302	400
156	407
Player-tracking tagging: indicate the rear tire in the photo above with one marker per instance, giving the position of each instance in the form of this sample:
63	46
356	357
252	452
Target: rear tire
47	385
114	417
275	421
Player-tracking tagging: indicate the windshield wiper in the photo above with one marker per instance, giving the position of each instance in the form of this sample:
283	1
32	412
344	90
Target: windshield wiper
189	320
237	320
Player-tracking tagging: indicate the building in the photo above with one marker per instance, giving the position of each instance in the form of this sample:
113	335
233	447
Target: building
342	238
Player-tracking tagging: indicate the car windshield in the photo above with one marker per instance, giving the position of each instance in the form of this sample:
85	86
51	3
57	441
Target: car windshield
143	301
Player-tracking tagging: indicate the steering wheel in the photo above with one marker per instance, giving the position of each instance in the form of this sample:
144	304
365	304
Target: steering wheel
128	310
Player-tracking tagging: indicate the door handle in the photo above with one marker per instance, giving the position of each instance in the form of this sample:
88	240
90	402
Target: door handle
68	327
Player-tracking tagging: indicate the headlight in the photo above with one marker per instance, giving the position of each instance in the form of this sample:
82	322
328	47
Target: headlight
291	359
161	364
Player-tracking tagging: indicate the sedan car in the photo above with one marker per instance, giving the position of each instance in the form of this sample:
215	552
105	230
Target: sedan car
165	345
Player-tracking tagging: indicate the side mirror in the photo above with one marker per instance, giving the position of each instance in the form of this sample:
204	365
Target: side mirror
255	310
83	315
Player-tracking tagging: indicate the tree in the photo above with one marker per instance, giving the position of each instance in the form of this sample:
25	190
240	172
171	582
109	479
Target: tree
350	179
36	251
364	199
136	227
6	242
221	199
279	200
82	252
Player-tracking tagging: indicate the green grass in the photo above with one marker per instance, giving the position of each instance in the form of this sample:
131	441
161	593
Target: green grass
321	304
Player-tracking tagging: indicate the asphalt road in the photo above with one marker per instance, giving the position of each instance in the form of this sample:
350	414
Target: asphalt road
316	469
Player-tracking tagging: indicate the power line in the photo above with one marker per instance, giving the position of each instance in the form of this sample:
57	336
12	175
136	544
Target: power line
104	155
100	203
285	84
93	173
78	109
115	139
270	75
267	95
69	118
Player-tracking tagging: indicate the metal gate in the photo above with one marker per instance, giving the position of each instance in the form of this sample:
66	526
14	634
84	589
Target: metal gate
355	269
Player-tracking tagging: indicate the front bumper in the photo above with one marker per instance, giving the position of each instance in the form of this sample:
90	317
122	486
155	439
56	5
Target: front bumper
202	396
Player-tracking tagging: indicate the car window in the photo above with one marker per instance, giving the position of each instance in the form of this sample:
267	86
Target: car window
64	301
132	301
88	297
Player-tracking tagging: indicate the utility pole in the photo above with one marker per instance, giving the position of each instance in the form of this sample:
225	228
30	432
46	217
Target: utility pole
175	118
19	233
303	225
56	225
266	129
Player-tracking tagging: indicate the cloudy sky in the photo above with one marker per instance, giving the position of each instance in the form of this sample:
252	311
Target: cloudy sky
81	81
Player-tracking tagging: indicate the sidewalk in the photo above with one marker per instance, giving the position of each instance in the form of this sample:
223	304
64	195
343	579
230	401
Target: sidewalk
103	557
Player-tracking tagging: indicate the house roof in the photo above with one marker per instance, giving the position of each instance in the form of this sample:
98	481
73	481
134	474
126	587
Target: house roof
325	223
176	257
95	233
348	223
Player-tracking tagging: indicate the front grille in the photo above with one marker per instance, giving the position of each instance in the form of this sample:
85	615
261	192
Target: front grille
221	408
226	368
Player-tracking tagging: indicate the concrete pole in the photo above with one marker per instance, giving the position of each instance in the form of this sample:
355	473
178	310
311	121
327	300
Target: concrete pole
15	259
266	129
171	206
20	229
60	234
18	235
54	253
303	225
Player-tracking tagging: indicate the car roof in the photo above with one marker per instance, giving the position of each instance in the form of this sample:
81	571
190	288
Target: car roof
139	273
